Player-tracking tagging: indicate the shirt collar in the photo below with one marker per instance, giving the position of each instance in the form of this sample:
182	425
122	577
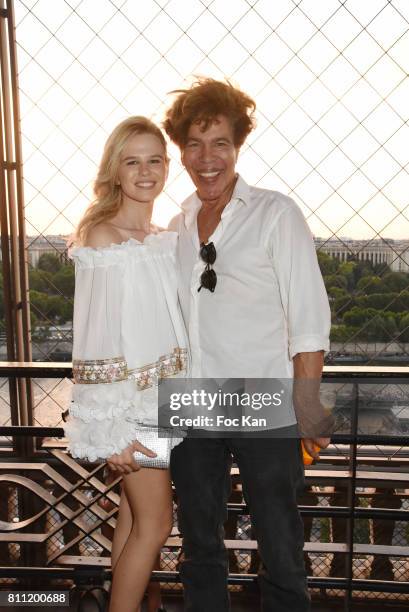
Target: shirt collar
242	191
192	204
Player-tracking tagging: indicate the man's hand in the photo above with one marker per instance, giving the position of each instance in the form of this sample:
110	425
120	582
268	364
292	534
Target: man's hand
311	443
124	462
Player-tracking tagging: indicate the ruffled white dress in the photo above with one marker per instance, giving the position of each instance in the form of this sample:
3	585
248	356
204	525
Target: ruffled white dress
128	333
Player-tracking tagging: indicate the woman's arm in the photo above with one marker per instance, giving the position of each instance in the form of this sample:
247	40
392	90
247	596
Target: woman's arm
102	395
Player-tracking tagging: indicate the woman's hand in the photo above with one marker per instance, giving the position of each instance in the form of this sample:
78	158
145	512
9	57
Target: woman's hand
124	462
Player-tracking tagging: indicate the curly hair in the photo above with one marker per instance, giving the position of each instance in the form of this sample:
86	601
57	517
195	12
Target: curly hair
202	102
108	194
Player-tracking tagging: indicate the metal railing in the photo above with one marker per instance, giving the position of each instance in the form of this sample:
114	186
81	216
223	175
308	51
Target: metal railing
56	526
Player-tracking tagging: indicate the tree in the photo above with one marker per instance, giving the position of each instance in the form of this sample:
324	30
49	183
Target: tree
67	311
328	265
358	316
396	281
39	304
379	301
57	308
346	269
64	280
372	325
49	262
336	292
369	284
49	307
394	302
33	322
40	280
362	268
342	333
382	327
404	328
335	280
343	304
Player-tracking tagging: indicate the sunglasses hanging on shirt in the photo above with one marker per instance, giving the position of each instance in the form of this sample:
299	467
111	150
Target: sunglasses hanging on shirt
208	278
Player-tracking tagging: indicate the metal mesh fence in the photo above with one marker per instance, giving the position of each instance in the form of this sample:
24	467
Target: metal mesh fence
330	81
51	398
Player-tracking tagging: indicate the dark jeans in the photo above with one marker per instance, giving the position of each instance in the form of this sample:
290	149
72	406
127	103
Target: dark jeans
272	475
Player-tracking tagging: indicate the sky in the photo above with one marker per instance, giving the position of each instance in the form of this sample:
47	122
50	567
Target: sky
330	80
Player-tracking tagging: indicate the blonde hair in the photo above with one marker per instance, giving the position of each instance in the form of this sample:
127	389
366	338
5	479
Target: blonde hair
108	195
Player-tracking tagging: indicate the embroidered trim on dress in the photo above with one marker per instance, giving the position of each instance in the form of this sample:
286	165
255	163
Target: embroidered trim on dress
98	371
167	365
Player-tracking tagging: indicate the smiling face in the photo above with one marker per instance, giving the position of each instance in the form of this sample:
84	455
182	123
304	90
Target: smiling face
210	158
143	168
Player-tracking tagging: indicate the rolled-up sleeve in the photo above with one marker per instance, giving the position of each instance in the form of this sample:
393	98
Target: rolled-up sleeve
302	291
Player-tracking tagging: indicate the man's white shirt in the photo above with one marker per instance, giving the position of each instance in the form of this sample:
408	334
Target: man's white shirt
269	303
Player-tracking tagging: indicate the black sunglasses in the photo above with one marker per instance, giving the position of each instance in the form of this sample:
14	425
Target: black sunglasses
208	278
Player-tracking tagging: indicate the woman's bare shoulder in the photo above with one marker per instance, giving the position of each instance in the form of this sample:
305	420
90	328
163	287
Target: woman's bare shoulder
102	235
157	229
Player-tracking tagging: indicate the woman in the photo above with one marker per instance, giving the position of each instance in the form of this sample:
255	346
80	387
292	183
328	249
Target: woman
128	333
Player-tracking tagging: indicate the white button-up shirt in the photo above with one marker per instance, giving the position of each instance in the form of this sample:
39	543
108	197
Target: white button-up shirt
270	301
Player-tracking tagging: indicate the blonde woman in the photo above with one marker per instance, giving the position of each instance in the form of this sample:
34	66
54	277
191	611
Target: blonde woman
128	333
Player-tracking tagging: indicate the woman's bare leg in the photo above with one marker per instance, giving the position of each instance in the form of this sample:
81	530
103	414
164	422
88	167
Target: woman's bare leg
122	529
154	598
149	495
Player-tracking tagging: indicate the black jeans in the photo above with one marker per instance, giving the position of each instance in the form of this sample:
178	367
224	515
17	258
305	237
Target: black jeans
272	475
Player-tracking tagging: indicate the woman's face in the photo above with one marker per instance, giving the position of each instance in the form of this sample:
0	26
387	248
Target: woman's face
143	168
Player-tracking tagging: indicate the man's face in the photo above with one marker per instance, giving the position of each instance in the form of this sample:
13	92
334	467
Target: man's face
210	158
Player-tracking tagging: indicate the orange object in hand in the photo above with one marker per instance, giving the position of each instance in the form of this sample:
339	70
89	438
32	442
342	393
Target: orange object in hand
307	459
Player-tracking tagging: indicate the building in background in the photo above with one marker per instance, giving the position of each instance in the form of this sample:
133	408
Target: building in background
39	245
394	253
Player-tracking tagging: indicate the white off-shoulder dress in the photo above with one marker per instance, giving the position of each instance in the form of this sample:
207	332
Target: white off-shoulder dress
128	333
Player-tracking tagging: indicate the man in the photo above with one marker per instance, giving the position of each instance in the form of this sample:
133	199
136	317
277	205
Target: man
255	306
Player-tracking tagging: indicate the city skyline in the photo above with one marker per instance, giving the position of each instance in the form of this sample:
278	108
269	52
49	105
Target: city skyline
393	252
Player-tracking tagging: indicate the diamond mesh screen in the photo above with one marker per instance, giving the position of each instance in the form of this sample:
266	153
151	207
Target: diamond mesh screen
331	84
330	81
